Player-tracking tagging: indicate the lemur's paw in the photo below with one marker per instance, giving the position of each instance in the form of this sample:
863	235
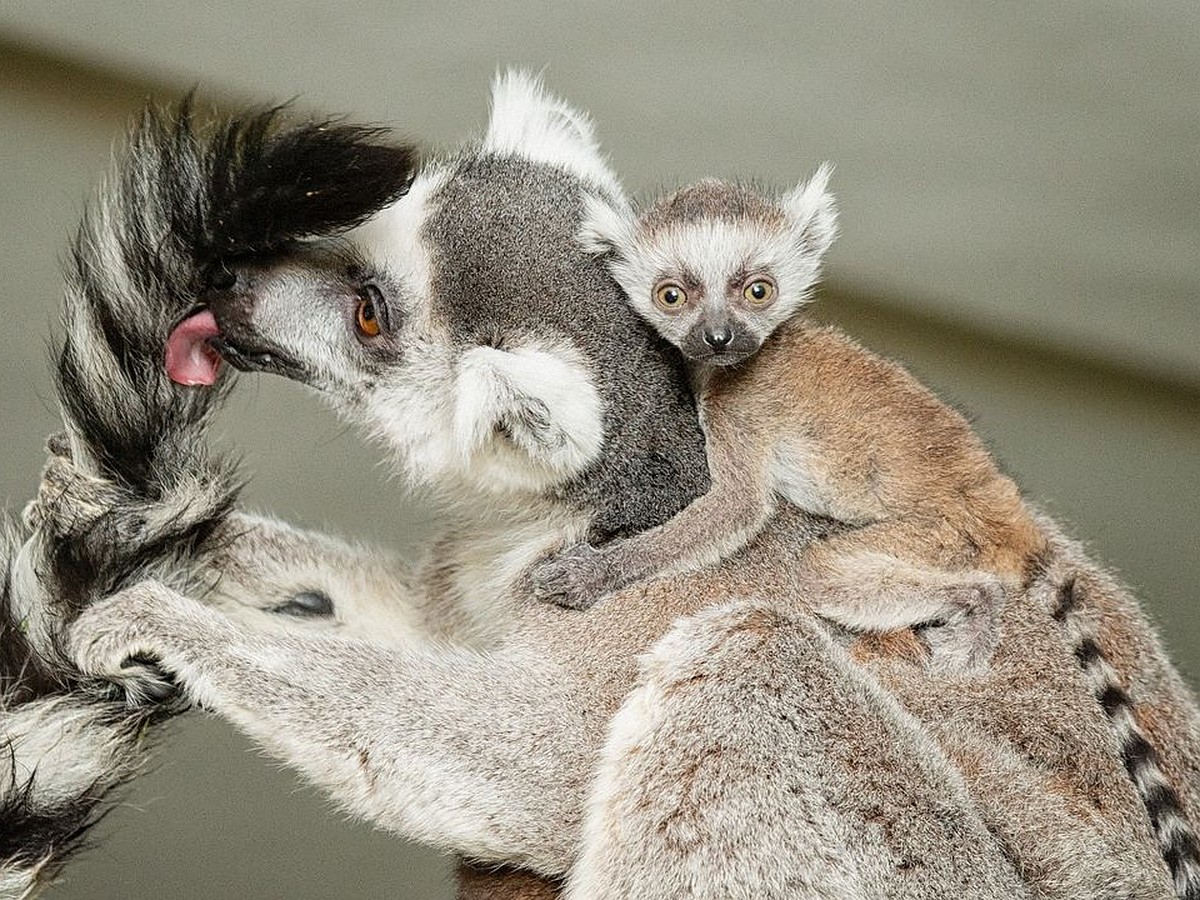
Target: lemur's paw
967	641
142	683
119	640
70	502
575	578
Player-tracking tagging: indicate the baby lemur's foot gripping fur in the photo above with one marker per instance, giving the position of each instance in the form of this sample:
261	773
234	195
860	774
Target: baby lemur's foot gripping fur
576	577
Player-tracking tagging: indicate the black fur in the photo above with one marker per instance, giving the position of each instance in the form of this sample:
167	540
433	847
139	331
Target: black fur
30	834
1067	601
273	186
1087	652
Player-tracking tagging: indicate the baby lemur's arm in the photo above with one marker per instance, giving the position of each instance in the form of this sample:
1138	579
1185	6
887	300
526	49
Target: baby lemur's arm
854	586
714	526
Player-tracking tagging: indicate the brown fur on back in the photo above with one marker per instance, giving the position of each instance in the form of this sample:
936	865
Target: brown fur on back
888	449
1030	740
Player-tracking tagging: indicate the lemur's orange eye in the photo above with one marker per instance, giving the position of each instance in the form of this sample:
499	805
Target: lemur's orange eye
670	296
367	316
758	292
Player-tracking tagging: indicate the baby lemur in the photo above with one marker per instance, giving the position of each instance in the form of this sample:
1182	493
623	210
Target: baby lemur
933	532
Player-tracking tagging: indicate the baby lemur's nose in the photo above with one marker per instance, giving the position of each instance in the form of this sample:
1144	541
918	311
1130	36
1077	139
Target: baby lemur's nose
718	338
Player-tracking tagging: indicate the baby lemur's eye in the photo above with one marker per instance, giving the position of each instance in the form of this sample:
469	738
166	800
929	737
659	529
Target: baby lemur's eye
670	296
367	315
759	291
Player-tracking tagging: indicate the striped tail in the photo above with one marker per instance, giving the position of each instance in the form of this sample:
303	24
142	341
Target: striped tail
65	746
1177	840
181	200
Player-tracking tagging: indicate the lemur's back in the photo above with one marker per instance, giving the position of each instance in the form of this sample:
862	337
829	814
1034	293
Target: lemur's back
875	444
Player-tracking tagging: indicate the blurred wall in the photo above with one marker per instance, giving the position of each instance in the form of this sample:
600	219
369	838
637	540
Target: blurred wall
1045	282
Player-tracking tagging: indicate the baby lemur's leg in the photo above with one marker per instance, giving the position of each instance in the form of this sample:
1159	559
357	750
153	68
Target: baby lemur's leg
867	590
756	759
713	527
485	753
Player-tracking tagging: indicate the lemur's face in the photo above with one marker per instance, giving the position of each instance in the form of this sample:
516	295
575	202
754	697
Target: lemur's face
714	289
716	267
324	317
355	319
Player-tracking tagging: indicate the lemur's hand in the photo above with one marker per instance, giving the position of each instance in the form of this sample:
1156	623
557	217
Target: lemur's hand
576	577
70	503
74	504
125	640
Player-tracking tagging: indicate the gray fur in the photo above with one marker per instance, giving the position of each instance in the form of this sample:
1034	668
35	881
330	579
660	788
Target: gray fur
696	778
65	747
1164	771
509	265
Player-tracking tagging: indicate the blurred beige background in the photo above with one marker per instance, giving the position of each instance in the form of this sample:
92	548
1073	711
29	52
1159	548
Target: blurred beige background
1020	191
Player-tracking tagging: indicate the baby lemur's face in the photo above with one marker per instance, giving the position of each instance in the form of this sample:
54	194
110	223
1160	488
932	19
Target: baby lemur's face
716	267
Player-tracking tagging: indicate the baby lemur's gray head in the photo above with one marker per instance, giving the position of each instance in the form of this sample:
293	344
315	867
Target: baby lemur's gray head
716	266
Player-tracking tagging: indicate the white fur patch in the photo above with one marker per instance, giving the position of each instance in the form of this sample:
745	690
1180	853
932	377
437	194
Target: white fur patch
530	122
30	605
460	423
812	210
392	238
63	747
412	413
604	228
538	401
795	480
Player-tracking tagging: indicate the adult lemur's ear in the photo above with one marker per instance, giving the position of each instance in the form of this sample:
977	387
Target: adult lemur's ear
605	228
812	212
530	122
541	400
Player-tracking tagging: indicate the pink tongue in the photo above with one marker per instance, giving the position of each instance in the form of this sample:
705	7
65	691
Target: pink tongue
190	360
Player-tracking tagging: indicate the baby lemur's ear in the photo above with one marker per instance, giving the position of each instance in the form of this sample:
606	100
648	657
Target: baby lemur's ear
812	211
606	229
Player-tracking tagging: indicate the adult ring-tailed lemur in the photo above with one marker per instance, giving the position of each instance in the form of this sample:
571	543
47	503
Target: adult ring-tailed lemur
705	735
